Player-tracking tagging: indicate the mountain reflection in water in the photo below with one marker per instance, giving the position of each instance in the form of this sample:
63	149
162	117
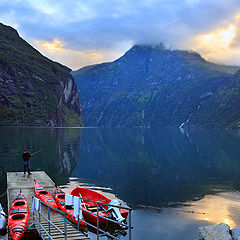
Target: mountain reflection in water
60	147
159	167
174	180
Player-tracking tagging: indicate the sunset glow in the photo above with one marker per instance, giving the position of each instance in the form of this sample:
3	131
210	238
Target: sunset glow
59	51
220	38
217	46
216	209
56	45
110	31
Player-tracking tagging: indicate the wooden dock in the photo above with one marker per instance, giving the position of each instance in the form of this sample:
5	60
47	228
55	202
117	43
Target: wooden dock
17	181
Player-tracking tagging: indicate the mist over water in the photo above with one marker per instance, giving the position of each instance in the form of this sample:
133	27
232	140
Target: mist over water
174	180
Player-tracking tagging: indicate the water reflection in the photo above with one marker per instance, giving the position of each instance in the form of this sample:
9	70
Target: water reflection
158	167
174	180
59	156
183	222
222	207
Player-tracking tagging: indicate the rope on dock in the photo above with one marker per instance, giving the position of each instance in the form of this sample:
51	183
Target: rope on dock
31	225
4	193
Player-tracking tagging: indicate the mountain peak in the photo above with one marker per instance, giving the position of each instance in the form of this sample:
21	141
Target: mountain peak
147	47
161	52
150	85
159	46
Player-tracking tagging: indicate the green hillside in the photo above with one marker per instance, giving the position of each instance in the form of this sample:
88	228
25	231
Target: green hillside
33	89
153	86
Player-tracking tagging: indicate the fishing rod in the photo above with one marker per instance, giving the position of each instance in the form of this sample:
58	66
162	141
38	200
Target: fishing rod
36	152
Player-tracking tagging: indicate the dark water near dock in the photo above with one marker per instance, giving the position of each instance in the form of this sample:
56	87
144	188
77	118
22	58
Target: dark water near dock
175	181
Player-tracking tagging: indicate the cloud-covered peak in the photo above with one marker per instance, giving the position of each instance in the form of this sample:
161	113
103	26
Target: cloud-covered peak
95	31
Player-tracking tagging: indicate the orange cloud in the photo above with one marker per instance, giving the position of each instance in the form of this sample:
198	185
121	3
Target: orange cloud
56	45
218	39
219	45
74	59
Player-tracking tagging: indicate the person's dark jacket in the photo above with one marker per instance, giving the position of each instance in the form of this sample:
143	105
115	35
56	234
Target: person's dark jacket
26	156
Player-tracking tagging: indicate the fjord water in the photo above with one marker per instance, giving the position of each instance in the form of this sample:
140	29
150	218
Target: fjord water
175	180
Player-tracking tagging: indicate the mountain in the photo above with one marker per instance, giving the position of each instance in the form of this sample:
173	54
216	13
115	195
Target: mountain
33	89
152	86
222	108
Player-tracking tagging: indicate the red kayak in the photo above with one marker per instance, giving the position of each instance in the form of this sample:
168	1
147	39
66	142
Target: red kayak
18	217
45	196
60	200
92	206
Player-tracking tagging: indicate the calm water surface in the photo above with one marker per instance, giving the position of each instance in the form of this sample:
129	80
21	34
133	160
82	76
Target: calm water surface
174	180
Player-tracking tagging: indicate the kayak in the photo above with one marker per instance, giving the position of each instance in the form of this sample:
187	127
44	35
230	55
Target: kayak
18	217
103	211
3	222
45	196
60	200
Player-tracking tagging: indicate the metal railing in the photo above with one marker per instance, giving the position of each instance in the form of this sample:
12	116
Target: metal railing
50	223
97	228
129	225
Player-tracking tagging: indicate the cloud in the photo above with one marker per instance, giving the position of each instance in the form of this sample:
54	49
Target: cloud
57	51
221	45
107	26
56	45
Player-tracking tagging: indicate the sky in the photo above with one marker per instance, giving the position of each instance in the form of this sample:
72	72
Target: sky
77	33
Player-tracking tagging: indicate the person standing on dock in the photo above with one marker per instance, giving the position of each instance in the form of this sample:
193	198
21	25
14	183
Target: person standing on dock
26	161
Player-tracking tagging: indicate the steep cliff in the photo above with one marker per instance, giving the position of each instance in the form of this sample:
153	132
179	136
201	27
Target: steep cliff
151	86
33	89
221	109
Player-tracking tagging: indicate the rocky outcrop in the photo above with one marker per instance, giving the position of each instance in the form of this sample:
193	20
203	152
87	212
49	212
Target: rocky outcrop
215	232
235	233
219	232
33	89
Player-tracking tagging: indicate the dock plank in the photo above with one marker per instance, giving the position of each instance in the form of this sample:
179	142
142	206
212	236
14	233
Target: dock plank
16	181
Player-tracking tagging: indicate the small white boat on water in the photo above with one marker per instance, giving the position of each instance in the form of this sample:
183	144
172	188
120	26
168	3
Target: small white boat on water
3	221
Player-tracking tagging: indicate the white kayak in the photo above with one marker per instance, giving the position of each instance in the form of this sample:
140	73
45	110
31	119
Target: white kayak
3	221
